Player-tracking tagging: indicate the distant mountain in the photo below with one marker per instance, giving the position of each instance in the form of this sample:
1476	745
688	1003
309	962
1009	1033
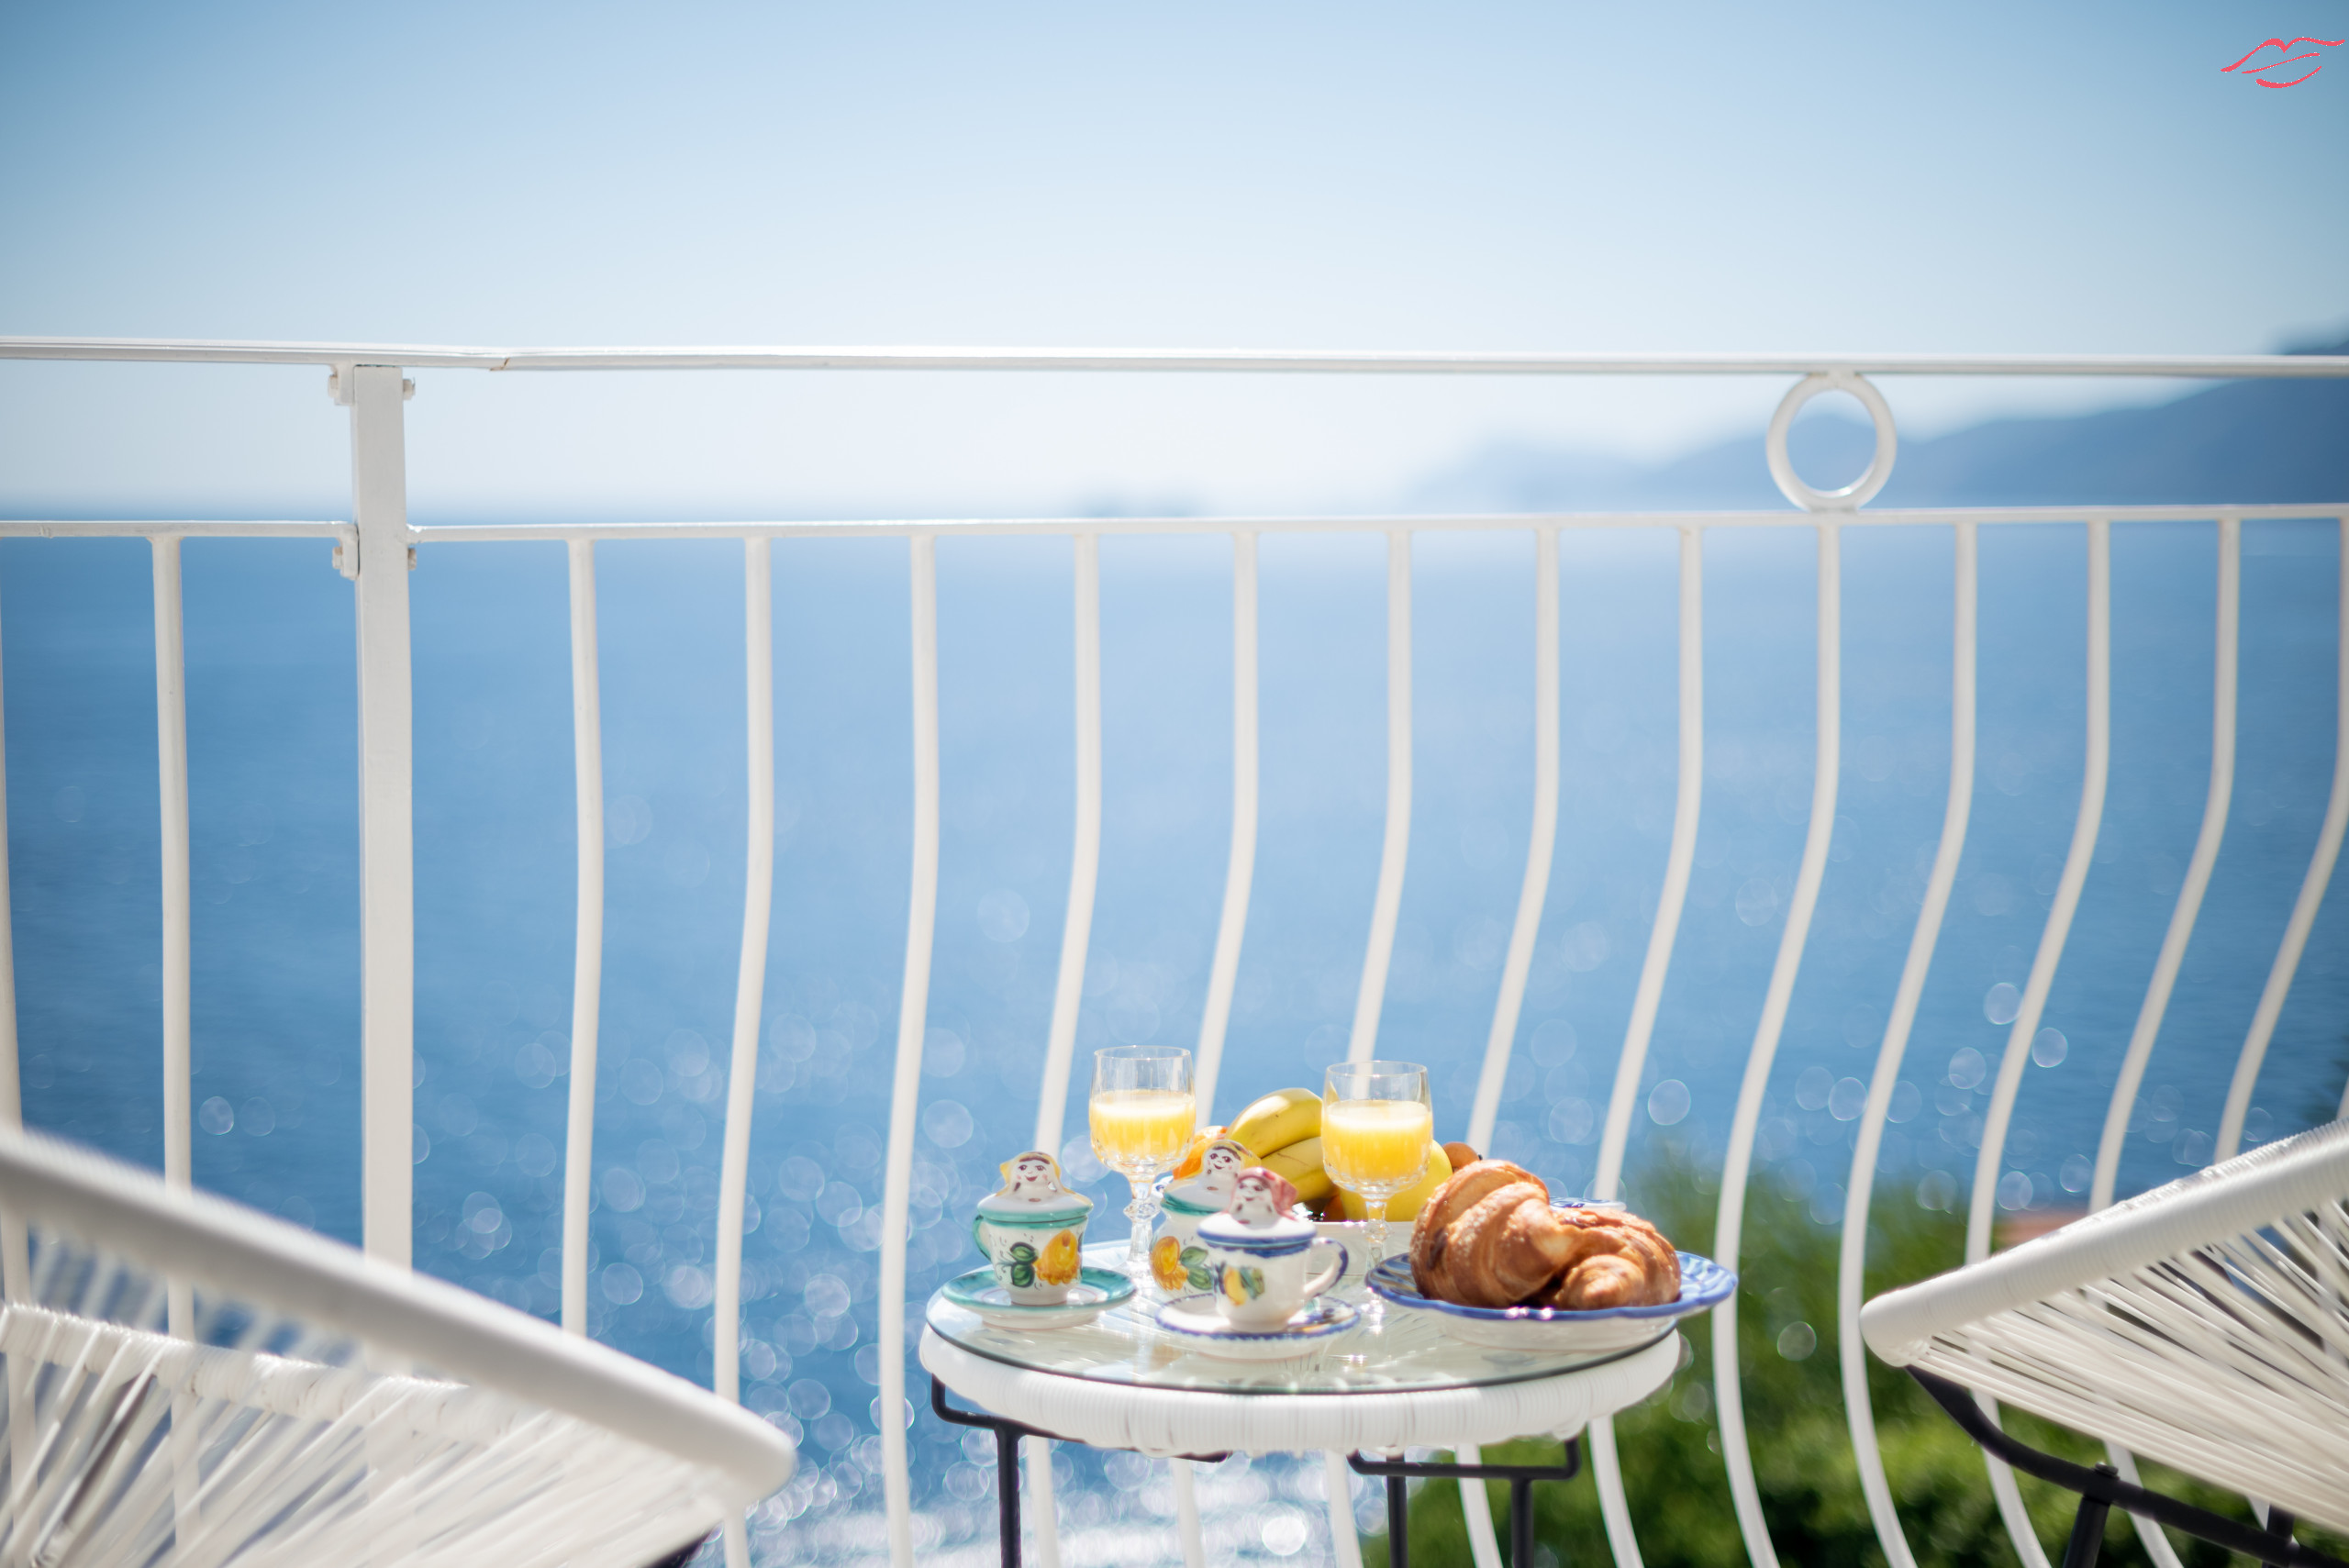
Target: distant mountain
2243	441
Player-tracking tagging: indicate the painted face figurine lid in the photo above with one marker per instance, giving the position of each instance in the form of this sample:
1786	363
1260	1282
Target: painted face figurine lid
1032	1192
1211	1191
1259	1211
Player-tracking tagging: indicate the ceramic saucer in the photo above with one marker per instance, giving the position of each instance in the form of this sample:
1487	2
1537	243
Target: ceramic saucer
1195	1321
1095	1292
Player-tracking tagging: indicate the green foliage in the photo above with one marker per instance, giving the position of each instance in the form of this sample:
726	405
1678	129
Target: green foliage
1810	1483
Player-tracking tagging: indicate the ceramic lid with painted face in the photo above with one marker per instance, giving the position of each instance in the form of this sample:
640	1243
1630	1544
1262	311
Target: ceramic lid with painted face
1032	1194
1211	1191
1258	1217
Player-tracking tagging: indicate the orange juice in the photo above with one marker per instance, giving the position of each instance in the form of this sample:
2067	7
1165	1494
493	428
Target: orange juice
1375	1146
1141	1129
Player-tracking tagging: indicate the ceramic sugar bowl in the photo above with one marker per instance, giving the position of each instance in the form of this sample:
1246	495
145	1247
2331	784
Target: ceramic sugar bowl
1257	1253
1176	1261
1032	1231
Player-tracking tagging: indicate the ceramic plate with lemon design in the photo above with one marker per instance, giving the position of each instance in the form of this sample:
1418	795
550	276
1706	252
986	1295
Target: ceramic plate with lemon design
1091	1292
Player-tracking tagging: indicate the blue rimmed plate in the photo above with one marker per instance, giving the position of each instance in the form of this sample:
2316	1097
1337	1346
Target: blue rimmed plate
1195	1321
1704	1283
1094	1291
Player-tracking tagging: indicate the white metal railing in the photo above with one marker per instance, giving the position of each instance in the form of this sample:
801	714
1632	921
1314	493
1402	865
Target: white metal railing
376	548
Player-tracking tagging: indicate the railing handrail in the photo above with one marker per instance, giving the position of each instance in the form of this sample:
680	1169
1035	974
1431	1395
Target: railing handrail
420	356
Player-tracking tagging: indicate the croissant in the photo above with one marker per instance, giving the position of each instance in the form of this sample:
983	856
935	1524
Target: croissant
1619	1260
1490	1237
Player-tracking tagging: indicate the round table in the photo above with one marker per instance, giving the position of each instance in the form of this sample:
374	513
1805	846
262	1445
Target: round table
1397	1381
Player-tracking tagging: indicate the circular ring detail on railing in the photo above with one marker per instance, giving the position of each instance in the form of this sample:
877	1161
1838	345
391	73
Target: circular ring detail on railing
1861	490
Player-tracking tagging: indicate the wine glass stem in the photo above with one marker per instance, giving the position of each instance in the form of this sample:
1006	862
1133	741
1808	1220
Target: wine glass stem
1377	1213
1143	1211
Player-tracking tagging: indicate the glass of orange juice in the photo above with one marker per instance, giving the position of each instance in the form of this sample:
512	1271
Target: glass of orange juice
1376	1126
1142	1113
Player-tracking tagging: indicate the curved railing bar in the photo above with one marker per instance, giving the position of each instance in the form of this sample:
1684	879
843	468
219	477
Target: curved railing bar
183	350
1076	936
1223	974
1606	1466
1852	1263
749	989
2096	770
587	962
2166	968
2190	896
1474	1507
1345	1546
1387	906
1084	862
1539	852
1239	875
2304	910
1730	1223
913	1018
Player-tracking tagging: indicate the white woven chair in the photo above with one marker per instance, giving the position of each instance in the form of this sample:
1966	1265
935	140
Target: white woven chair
190	1384
2204	1323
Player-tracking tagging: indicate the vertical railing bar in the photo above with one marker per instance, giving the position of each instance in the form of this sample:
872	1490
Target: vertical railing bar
1852	1264
1084	862
16	1261
1387	906
2304	909
1484	1547
170	747
1606	1464
1539	852
179	1130
2096	771
1729	1224
750	988
587	961
387	812
913	1017
1239	875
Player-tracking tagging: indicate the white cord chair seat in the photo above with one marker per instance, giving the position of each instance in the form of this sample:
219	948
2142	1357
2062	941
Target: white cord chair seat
1194	1421
286	1419
2204	1323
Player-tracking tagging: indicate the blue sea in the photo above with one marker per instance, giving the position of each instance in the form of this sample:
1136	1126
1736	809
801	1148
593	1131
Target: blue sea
271	727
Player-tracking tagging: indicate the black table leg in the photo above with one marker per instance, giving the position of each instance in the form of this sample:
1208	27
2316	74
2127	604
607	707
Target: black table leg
1520	1479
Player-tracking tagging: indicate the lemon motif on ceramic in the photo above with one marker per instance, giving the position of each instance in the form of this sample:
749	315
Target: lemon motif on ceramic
1166	1262
1058	1263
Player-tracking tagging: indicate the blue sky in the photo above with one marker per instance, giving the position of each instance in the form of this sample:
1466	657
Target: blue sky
1506	176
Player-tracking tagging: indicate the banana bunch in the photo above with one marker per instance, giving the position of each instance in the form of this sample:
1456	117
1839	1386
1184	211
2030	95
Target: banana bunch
1283	1130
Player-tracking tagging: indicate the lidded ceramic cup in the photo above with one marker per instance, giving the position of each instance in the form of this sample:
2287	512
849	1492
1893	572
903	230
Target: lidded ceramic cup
1177	1262
1032	1231
1257	1254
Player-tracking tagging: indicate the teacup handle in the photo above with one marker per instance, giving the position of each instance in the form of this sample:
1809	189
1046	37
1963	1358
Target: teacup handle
1318	1283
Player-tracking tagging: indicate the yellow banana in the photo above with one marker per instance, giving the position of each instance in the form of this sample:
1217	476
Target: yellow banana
1280	1119
1301	1164
1406	1205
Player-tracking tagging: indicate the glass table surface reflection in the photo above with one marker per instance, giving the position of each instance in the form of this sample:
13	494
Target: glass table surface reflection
1390	1350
